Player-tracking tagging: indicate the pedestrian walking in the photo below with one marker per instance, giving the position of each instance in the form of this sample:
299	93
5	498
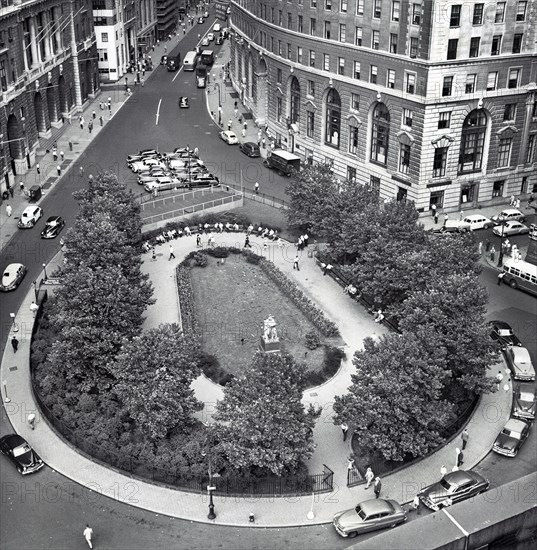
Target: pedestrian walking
416	504
31	420
59	170
446	218
172	255
21	187
81	171
229	124
62	155
94	115
350	463
435	218
81	120
9	210
501	275
153	254
460	457
256	188
54	155
480	248
34	308
377	487
492	253
101	106
38	168
101	120
443	471
243	133
143	82
88	533
295	263
369	477
461	215
512	201
247	242
517	204
245	125
433	210
465	436
90	126
11	191
198	240
345	430
499	379
69	118
15	344
264	143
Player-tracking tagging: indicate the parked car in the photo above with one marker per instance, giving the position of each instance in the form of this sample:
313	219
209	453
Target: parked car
524	403
508	215
163	184
511	228
201	180
145	164
217	27
146	153
200	20
17	449
144	177
29	217
164	60
12	276
219	40
503	334
229	137
210	36
183	102
519	362
369	515
453	226
452	488
512	436
185	173
186	152
53	226
250	149
478	221
183	163
205	41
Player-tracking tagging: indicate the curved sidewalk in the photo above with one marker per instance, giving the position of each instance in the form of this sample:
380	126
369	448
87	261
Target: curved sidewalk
354	323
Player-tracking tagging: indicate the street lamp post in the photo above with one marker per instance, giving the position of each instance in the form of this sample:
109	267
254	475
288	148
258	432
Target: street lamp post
500	255
45	271
210	488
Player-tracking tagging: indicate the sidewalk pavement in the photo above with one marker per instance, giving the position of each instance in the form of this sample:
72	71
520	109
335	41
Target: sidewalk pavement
354	323
80	138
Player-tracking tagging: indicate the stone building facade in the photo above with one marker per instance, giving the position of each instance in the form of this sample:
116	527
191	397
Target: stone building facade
430	101
48	70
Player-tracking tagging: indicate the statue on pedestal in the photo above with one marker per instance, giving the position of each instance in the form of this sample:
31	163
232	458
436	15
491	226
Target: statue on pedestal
270	343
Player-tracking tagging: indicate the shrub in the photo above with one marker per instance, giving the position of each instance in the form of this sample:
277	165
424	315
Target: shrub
226	379
218	252
312	340
251	258
200	259
209	365
332	360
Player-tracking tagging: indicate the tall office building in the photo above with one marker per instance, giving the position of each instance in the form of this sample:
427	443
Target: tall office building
433	101
48	70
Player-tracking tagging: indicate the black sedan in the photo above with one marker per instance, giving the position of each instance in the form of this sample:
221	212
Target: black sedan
524	402
503	334
250	149
183	102
453	488
53	226
512	436
17	449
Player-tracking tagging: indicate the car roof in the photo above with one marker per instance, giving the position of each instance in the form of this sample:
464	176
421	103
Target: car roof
53	219
375	506
30	209
515	425
13	266
512	223
475	217
459	477
521	354
510	211
14	440
501	324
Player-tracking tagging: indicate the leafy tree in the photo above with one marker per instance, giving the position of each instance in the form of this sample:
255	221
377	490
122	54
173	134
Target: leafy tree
154	373
261	423
394	403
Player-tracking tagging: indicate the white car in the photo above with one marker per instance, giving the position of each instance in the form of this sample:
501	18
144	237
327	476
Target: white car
478	221
145	164
210	37
508	215
29	217
205	41
511	228
217	27
182	163
229	137
12	276
162	184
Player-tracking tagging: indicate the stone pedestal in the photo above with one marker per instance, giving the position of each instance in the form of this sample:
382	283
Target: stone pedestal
269	346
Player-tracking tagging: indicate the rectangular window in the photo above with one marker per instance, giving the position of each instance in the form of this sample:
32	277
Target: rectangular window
328	5
313	3
521	10
311	88
492	80
496	45
469	88
534	109
280	51
356	72
341	66
530	149
413	47
416	14
312	58
374	182
326	62
440	162
444	120
452	46
396	10
500	12
404	158
343	6
313	26
299	54
455	17
289	56
504	152
310	123
408	116
355	102
393	43
278	76
359	7
373	74
289	20
353	140
390	78
497	188
280	18
104	37
410	85
358	39
514	78
477	18
377	9
474	46
342	32
351	174
447	86
300	23
517	43
327	30
375	40
509	111
279	109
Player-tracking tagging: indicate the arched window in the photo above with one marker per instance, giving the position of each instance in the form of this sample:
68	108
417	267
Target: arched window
294	114
380	134
474	130
333	118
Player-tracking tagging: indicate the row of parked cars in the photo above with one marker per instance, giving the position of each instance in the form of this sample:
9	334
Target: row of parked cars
181	167
506	223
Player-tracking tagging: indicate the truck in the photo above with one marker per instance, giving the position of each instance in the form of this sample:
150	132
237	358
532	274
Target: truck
201	76
286	163
207	57
173	62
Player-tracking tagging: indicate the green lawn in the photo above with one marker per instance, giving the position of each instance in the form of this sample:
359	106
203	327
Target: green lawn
231	302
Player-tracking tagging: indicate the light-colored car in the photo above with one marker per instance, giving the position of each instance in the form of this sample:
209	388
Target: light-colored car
205	41
369	515
144	177
183	173
508	229
217	27
29	217
512	436
508	215
180	163
478	221
163	184
229	137
519	362
141	165
210	37
12	277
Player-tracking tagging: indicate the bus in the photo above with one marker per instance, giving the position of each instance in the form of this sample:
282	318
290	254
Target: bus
520	274
190	60
207	57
